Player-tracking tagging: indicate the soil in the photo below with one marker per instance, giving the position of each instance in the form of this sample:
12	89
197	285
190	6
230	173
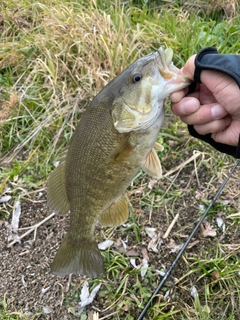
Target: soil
26	284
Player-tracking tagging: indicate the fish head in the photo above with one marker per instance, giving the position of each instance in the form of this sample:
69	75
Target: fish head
144	87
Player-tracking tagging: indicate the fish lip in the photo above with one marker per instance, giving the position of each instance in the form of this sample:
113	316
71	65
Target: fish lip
168	71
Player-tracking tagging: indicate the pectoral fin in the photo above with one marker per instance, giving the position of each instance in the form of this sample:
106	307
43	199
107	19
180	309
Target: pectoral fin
158	146
152	165
116	214
124	148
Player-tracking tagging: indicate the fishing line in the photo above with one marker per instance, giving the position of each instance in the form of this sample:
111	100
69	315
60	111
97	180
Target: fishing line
187	242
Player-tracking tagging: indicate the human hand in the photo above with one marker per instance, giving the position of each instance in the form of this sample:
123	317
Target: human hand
214	106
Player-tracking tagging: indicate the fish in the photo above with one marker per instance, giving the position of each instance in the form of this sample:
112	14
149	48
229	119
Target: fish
115	138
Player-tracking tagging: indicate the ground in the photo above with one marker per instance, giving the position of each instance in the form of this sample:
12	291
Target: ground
27	286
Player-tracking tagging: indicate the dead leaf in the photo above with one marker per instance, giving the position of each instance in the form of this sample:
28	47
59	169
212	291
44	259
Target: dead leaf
120	245
174	247
132	253
125	308
152	183
207	230
215	275
198	194
192	244
145	253
155	243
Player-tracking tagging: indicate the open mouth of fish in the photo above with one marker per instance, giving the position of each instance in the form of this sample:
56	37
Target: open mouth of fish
163	62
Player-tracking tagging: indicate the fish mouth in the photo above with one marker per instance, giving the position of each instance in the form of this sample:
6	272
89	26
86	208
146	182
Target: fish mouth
170	73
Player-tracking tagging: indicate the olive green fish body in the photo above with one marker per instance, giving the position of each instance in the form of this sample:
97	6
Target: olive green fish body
111	143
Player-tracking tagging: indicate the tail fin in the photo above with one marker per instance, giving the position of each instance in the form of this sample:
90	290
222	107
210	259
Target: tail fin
84	259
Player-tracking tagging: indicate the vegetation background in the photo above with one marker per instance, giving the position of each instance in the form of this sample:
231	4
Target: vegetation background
55	55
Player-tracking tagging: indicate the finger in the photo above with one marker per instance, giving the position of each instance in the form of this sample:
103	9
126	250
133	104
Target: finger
178	95
213	126
185	107
205	114
228	136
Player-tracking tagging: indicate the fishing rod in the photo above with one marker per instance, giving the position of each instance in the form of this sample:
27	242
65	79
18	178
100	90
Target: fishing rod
167	274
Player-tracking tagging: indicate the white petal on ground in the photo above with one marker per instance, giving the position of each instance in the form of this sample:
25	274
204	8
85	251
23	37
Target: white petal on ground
194	292
24	282
221	224
85	297
56	164
5	199
151	232
162	273
105	244
166	295
133	263
44	290
144	267
47	310
16	215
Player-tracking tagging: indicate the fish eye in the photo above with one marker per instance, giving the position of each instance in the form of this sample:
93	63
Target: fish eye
136	77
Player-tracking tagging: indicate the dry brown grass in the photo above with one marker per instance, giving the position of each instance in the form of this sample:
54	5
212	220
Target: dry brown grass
229	8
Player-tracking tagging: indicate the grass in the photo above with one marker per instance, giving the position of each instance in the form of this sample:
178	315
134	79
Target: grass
54	57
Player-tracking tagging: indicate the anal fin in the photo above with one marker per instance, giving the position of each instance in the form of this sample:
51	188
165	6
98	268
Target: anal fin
116	214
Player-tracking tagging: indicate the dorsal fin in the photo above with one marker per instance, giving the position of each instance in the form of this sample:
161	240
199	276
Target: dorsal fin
152	165
116	214
56	191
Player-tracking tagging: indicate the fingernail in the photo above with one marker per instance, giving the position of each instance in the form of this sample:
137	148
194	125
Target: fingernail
189	106
218	111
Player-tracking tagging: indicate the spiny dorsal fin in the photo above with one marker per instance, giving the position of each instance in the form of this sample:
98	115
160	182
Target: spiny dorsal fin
56	191
158	146
116	214
152	165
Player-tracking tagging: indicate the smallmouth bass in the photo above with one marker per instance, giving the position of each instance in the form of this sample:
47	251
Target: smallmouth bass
114	139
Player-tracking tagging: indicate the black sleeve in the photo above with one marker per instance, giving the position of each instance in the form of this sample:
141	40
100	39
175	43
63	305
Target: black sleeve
209	59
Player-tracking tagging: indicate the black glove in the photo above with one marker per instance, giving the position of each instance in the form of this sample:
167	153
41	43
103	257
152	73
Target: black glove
209	59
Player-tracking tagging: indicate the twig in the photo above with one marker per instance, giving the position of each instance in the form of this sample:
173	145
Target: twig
151	210
166	234
196	155
33	228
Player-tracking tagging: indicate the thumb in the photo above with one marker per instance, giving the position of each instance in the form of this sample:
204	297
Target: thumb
189	68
